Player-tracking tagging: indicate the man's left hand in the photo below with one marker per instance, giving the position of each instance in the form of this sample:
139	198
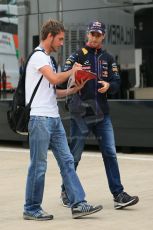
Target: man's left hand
104	86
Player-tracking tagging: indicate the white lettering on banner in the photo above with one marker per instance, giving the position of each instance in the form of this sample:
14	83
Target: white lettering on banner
120	35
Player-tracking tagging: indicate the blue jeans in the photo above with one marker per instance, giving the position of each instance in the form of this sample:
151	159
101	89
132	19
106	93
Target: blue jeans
45	133
104	134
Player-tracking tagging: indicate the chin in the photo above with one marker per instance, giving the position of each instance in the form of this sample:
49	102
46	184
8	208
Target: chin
55	50
94	45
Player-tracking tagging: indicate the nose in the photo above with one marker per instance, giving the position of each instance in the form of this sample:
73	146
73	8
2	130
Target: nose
62	43
94	38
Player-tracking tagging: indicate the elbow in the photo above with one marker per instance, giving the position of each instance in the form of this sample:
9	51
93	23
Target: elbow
54	80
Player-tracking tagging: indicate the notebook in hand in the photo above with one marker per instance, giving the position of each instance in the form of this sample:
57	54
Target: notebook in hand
84	75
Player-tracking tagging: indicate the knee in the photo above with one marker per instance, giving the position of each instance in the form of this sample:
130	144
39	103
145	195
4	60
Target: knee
42	167
67	163
109	152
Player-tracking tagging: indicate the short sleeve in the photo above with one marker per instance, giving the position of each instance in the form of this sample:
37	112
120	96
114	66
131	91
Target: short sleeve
40	59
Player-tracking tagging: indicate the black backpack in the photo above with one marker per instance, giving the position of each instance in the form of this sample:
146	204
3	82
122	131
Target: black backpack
19	113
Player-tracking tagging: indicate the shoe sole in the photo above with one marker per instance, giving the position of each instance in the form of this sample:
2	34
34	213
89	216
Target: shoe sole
132	202
75	216
25	217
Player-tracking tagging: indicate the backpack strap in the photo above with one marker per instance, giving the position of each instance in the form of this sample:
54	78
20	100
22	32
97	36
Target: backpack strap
34	92
25	66
24	73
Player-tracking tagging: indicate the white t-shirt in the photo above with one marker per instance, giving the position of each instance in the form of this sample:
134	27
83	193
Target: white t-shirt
44	102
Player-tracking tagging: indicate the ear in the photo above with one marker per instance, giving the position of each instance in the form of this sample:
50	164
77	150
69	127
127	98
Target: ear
103	36
50	36
87	34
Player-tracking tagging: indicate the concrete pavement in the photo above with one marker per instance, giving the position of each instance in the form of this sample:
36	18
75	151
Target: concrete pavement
137	178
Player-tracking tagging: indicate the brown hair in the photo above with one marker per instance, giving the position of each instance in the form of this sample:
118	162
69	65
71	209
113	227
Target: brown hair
51	26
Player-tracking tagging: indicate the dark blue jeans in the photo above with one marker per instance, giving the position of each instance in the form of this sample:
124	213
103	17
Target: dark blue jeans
104	134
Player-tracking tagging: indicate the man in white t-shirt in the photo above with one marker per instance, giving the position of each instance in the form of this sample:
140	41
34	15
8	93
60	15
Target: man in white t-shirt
46	129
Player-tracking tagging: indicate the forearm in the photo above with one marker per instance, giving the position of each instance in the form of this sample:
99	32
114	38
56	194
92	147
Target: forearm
65	92
55	78
61	77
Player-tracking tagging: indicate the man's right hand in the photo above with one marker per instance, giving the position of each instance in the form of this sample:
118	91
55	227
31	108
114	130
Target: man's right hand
76	67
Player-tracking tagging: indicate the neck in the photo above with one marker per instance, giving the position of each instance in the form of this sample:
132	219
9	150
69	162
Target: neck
43	46
98	47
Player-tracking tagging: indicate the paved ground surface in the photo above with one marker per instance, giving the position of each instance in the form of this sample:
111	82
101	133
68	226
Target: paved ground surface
137	177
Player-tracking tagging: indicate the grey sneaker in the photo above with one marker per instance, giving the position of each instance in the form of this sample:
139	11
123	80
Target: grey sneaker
39	215
84	209
123	200
64	200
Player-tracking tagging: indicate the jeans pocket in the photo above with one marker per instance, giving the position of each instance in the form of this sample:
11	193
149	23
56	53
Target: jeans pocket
32	123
